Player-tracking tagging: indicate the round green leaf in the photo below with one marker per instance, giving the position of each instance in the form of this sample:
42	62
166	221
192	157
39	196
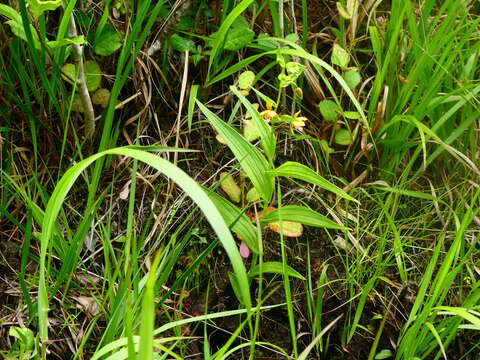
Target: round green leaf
77	104
101	97
108	41
93	75
340	56
246	79
253	195
343	137
352	78
70	70
329	110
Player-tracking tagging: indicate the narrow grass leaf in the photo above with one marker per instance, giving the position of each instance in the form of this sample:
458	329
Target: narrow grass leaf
222	33
148	314
274	267
191	104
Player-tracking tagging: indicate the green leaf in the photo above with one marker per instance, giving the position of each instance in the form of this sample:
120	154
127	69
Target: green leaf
246	79
302	215
268	44
101	97
292	37
77	104
93	75
108	41
353	115
252	195
340	56
238	38
182	44
274	267
383	354
148	313
79	40
343	137
235	286
238	222
10	13
294	69
16	24
343	12
326	148
191	104
298	171
240	23
250	130
38	7
352	78
222	32
251	160
24	335
329	110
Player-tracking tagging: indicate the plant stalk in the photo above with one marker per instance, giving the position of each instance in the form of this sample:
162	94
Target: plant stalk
81	82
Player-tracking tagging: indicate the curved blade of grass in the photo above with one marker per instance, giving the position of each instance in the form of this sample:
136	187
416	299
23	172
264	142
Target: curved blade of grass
222	33
437	337
298	171
305	353
250	159
114	345
191	104
274	267
302	215
268	141
189	185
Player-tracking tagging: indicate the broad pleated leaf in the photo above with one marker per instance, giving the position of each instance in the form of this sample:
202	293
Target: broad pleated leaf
298	171
250	158
302	215
238	222
268	141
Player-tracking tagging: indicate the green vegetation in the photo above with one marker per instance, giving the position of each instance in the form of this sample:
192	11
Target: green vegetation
239	179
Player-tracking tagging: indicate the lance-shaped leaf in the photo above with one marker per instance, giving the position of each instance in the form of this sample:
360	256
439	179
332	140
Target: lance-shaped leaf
302	215
298	171
251	160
